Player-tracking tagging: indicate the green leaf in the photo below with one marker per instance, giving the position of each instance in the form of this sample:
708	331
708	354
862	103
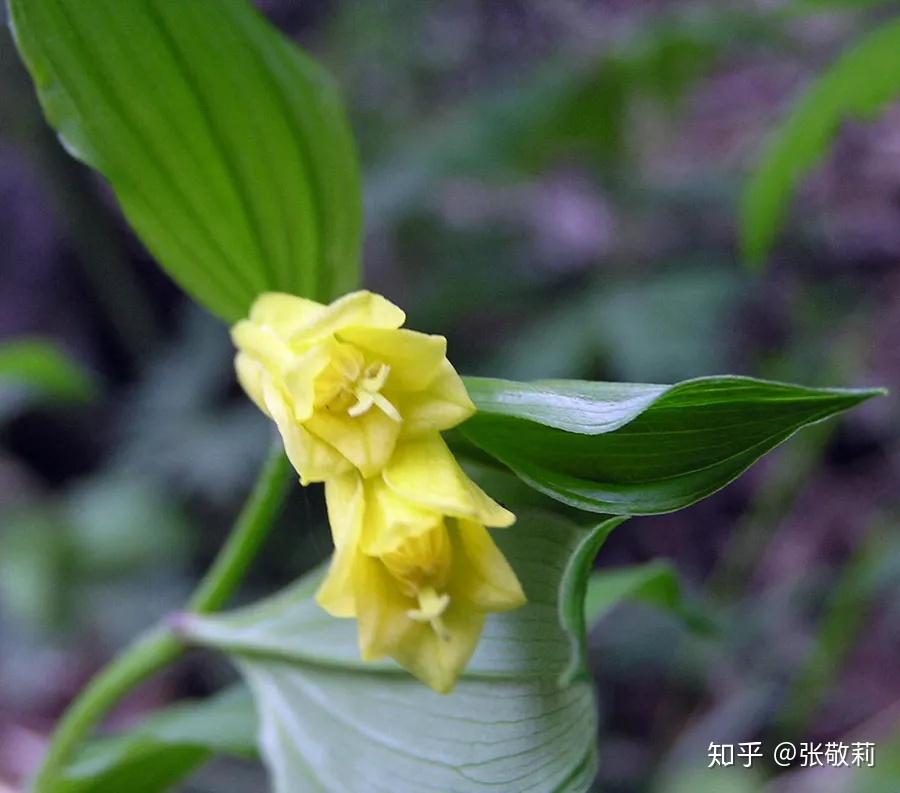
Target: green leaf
33	370
871	573
859	84
655	583
226	146
166	748
844	4
882	778
522	717
697	778
33	565
631	449
116	524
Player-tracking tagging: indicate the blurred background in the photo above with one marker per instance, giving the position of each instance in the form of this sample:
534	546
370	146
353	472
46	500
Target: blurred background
555	187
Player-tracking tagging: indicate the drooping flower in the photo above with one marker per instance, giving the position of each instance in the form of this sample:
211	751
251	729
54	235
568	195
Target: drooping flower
344	382
414	563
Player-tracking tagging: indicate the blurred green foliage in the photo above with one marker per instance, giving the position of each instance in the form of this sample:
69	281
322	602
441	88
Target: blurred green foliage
35	371
860	84
167	747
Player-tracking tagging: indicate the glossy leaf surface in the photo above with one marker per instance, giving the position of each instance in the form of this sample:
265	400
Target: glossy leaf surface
632	449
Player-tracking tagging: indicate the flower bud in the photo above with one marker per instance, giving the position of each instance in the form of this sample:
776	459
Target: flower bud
414	563
344	382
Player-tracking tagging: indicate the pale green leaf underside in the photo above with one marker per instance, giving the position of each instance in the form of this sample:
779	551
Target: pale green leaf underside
522	718
859	85
632	449
226	146
176	741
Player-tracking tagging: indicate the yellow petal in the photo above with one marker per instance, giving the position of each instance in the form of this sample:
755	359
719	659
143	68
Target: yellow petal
252	376
443	404
425	472
345	501
367	441
337	593
263	344
284	313
381	609
481	575
438	660
362	308
415	358
390	520
313	459
300	379
344	498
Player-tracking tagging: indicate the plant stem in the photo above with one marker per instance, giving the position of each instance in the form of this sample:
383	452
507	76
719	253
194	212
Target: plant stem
159	647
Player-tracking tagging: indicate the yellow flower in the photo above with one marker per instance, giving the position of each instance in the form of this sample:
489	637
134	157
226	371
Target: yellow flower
344	382
414	563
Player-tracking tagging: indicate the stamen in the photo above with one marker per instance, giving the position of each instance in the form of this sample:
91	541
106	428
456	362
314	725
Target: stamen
367	392
431	608
386	407
375	377
364	402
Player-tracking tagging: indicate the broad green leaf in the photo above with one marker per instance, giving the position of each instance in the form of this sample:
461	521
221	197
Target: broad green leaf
165	749
226	146
521	718
33	370
631	449
858	85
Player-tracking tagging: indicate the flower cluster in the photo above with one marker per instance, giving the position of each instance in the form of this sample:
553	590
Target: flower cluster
360	403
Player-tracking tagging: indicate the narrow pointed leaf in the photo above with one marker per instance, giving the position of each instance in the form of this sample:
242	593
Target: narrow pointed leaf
521	718
226	146
630	449
860	84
